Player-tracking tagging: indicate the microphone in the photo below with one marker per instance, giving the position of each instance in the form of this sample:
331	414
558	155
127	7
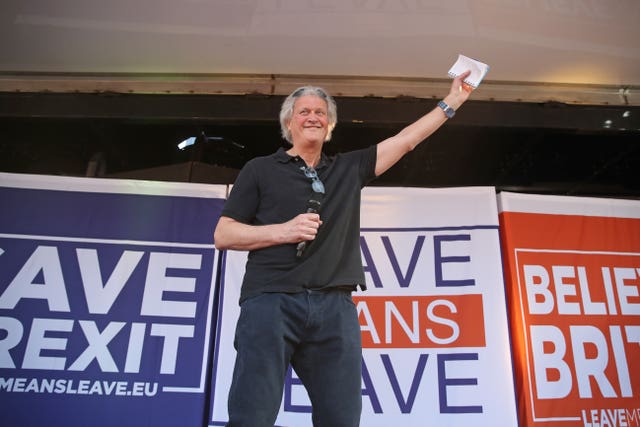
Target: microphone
313	206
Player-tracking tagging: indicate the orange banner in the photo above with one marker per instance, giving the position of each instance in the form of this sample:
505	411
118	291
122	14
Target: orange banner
421	321
573	286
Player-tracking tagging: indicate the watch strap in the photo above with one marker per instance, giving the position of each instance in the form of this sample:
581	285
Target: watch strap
448	111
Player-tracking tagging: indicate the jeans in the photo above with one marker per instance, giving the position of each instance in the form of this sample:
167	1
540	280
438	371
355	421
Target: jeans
319	334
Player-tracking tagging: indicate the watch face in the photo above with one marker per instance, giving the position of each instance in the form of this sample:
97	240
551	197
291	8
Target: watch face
450	112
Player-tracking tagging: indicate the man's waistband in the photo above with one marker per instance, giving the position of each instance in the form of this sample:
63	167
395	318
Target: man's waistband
339	288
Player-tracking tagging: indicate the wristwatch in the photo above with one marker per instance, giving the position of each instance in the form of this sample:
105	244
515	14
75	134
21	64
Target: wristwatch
448	111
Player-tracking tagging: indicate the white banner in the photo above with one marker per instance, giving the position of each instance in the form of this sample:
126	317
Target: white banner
433	320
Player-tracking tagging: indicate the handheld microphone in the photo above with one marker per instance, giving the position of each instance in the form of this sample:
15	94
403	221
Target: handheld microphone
313	206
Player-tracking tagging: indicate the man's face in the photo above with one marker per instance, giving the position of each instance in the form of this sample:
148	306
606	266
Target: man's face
309	122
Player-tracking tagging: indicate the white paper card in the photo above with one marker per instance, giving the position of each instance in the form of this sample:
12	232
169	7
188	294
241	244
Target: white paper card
464	63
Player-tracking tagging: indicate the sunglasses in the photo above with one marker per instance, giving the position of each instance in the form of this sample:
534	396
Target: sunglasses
316	184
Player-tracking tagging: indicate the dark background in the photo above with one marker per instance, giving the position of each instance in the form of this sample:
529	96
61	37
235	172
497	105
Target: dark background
545	148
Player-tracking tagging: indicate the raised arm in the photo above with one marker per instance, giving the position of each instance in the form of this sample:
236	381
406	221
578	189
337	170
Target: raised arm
392	149
232	234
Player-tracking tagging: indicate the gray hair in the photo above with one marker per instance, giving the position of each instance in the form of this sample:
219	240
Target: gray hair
286	111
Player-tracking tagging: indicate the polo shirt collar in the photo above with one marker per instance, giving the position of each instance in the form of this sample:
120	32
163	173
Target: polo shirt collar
282	157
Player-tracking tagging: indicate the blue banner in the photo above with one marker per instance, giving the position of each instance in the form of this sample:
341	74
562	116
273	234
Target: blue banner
106	297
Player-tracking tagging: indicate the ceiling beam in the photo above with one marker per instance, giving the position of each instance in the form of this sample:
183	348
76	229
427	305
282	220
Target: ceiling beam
282	84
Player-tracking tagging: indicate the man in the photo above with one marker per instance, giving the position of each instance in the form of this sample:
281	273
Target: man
297	213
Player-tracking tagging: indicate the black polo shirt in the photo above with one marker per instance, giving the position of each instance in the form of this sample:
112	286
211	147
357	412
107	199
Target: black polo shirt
272	190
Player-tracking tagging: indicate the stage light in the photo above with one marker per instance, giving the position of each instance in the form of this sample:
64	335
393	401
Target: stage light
187	142
193	140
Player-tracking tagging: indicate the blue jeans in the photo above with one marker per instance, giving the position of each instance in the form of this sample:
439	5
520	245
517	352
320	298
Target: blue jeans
319	334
